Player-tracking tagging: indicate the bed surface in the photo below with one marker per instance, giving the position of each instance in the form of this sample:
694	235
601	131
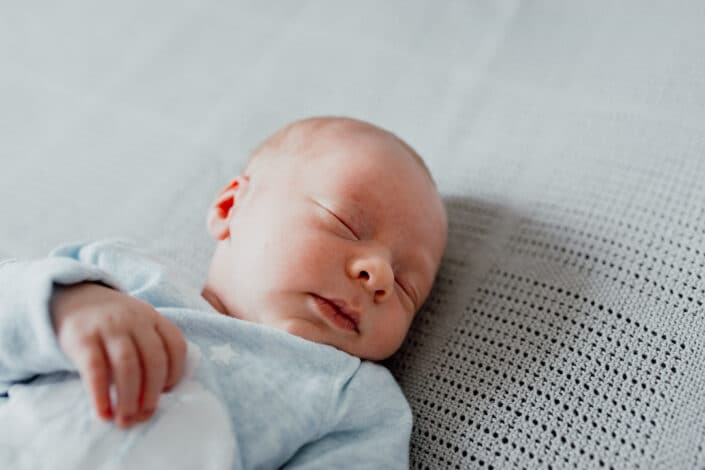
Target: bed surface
567	326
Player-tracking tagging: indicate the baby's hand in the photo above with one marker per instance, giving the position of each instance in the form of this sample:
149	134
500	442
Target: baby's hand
114	338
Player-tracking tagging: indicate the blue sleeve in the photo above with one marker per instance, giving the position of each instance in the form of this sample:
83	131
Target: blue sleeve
370	426
28	345
138	273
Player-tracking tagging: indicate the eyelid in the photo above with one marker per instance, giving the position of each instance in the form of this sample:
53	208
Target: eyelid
342	222
409	293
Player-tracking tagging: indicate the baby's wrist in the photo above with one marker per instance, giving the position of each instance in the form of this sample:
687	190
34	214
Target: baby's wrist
70	298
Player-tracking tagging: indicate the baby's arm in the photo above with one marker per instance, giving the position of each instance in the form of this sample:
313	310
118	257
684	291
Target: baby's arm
111	336
28	344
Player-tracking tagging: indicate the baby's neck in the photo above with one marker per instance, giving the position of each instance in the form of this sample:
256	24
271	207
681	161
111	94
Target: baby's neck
213	299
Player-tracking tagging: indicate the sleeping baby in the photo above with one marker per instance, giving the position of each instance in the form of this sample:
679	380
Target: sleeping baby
325	248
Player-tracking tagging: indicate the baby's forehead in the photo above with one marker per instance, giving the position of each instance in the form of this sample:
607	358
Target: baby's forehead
376	140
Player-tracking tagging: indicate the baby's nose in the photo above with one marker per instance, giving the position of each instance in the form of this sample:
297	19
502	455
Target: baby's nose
376	276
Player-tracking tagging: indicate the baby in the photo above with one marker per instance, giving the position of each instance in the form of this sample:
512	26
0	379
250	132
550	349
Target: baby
326	247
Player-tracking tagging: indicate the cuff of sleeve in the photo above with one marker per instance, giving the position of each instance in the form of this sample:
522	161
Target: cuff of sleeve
45	275
60	271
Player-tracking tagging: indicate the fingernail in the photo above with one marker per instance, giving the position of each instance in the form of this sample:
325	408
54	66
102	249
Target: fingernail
105	413
125	420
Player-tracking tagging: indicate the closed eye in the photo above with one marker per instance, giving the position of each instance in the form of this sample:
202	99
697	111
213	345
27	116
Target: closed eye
343	223
407	292
348	227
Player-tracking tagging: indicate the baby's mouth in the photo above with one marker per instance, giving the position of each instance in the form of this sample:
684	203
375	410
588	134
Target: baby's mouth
338	312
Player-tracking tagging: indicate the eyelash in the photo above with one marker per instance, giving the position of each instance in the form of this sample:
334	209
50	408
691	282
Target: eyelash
344	224
404	289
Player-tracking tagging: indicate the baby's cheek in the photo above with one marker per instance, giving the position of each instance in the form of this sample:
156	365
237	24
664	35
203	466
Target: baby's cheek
387	338
307	259
401	327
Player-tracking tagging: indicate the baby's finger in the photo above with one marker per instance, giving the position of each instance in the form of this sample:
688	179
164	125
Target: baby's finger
94	369
154	368
176	351
127	375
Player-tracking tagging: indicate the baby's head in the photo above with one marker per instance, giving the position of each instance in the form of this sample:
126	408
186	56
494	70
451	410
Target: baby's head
334	232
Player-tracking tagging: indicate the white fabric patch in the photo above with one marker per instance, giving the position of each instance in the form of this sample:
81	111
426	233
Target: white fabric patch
51	424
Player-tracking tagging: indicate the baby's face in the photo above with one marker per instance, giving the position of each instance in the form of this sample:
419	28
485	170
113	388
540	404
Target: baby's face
340	247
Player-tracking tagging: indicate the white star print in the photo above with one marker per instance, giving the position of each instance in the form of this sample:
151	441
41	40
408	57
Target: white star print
222	353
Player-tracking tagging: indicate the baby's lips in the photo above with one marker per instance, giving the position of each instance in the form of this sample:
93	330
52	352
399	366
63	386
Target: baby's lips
351	312
332	309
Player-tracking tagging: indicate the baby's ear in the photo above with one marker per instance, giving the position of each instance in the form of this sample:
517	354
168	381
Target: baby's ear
220	212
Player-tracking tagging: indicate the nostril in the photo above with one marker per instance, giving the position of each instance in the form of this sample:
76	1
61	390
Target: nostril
364	275
380	293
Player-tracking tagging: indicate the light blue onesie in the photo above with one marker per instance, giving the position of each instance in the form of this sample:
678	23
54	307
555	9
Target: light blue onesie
252	396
